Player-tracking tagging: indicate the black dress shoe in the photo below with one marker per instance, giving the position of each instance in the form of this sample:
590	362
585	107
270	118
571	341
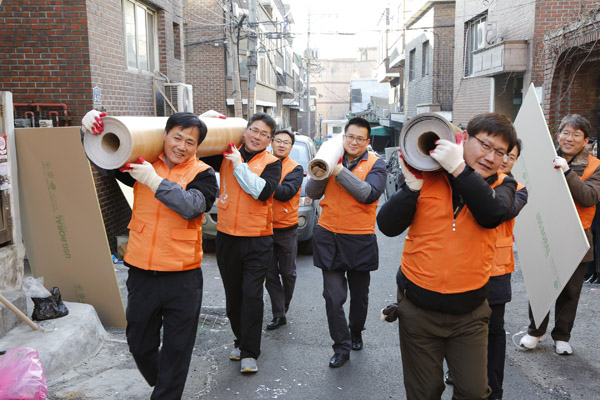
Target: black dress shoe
357	343
338	360
276	323
597	280
592	278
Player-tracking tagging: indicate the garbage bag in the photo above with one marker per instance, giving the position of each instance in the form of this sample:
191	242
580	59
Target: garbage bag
49	307
22	375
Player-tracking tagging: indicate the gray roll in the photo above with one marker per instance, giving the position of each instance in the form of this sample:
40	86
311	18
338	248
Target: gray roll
418	137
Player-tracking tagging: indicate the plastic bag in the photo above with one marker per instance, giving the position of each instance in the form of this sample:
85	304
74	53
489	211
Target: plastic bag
49	307
22	375
35	287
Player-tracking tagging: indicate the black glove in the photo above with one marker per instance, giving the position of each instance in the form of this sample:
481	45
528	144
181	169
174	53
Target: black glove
390	313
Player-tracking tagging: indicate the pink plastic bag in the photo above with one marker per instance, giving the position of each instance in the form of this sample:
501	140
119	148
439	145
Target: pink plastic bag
22	375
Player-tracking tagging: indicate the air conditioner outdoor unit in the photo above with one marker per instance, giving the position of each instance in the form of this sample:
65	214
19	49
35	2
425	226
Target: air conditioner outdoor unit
180	95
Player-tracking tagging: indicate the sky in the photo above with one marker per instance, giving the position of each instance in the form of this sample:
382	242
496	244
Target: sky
356	19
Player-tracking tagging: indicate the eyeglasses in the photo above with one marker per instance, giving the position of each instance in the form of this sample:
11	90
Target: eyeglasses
359	140
283	142
575	134
262	134
488	149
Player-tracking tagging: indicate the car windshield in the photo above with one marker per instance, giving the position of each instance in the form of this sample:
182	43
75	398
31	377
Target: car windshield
300	153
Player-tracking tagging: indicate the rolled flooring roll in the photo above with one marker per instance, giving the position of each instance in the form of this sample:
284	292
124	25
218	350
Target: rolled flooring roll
124	139
418	137
326	159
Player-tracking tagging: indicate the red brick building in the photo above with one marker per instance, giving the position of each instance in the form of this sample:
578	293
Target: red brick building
58	51
504	46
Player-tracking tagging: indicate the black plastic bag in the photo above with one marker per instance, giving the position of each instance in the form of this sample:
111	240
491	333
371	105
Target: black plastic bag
49	307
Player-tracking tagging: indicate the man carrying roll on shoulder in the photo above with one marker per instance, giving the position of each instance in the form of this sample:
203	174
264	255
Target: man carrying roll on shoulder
345	245
164	251
442	307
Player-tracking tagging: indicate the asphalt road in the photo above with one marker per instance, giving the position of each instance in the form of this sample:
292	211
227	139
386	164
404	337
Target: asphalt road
294	360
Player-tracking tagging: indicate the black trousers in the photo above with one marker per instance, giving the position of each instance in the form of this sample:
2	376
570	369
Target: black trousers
171	301
281	277
496	350
243	264
565	309
335	292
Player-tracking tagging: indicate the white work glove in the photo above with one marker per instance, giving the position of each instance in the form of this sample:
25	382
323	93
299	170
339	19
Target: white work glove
213	114
561	163
448	154
145	173
338	168
92	122
234	155
412	177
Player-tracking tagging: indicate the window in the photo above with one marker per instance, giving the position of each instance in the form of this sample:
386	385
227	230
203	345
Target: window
474	40
140	36
176	41
411	65
356	96
425	59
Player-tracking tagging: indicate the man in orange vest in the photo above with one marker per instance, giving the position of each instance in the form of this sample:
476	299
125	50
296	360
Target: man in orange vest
451	216
499	288
345	245
164	252
582	172
244	244
286	201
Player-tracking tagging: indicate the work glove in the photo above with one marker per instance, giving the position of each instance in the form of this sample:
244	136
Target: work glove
144	173
561	163
213	114
338	167
448	154
92	122
390	313
233	155
412	177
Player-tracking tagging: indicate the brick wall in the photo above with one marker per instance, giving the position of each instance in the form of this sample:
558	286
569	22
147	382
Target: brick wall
206	61
58	50
443	58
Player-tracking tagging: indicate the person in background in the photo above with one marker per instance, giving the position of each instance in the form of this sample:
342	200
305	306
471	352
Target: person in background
164	252
244	244
451	216
499	288
582	172
281	276
345	245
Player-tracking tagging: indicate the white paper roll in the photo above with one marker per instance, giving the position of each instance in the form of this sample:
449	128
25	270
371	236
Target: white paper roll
327	158
124	139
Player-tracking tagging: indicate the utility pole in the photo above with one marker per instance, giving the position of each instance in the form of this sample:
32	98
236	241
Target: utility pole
233	46
252	63
308	56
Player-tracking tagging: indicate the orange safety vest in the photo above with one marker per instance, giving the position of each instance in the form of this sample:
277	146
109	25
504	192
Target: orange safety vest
504	260
159	238
442	253
586	214
285	213
342	213
239	213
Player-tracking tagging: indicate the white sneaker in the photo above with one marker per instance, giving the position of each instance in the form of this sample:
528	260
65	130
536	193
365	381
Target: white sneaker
563	348
530	342
235	354
248	365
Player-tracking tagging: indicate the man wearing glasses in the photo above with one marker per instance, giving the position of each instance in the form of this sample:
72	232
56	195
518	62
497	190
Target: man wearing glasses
244	243
345	245
582	172
286	201
451	216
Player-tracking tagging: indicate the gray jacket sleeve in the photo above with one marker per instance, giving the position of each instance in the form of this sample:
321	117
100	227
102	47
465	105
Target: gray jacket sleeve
196	198
586	193
315	189
369	190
